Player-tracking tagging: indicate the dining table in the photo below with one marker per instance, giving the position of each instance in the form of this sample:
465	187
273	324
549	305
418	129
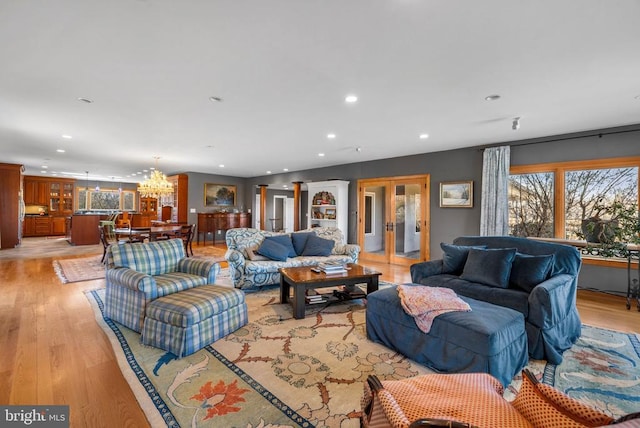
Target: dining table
153	232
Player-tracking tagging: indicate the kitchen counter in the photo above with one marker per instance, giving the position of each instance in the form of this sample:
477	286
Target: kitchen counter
84	229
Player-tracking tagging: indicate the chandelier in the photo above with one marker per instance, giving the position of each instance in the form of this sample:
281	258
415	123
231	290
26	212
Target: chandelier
156	186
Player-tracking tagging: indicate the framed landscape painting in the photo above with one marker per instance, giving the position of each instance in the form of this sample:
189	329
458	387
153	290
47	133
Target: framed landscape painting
219	195
456	194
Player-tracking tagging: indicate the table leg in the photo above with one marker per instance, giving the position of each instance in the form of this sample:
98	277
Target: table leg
372	284
298	301
284	290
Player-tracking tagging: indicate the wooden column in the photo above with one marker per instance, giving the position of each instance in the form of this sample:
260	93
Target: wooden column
296	205
263	205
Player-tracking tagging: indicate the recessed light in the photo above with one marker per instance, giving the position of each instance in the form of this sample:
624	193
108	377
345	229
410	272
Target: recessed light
285	169
492	97
321	154
424	136
85	100
66	136
60	150
146	170
331	136
284	185
221	165
268	172
44	172
44	167
351	98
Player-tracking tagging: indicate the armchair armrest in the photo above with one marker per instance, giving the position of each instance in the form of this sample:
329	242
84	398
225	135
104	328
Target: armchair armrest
551	301
129	278
208	269
423	270
237	263
353	251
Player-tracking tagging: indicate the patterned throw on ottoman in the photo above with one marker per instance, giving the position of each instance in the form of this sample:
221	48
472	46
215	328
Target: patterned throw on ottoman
185	322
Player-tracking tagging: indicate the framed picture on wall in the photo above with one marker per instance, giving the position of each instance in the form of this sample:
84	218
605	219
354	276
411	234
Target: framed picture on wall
219	195
456	194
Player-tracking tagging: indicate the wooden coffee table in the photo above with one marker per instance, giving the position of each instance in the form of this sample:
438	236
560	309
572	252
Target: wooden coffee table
303	278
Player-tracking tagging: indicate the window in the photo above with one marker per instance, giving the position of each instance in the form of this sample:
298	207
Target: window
553	200
106	200
531	204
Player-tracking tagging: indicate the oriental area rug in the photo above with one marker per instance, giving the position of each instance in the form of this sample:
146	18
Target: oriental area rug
280	372
80	269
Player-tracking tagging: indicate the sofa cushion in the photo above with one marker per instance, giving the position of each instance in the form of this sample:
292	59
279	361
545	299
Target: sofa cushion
455	257
490	267
273	250
299	240
252	254
528	271
317	246
513	298
285	241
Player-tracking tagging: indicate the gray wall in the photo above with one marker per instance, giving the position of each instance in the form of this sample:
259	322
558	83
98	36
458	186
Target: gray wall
466	164
196	193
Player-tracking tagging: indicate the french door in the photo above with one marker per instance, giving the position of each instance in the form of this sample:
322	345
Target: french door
393	219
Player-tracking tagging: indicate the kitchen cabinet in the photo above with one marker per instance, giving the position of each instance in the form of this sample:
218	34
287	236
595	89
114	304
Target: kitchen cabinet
58	225
10	194
37	226
36	191
61	197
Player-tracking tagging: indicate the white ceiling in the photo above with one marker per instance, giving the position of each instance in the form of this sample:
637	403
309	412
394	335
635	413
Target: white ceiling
283	69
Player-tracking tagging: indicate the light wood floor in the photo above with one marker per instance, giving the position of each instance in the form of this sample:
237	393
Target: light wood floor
53	352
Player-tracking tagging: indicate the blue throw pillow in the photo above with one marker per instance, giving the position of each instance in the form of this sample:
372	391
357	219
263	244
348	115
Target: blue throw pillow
455	256
490	267
273	250
285	241
299	240
317	246
528	271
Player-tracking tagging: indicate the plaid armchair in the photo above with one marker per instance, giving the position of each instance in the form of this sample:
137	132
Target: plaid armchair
138	273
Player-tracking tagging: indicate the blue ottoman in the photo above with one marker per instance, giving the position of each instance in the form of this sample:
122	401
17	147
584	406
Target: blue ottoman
489	339
187	321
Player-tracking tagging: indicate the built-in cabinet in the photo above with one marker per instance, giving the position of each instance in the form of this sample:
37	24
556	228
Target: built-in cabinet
10	194
217	224
148	213
179	212
57	196
329	204
36	191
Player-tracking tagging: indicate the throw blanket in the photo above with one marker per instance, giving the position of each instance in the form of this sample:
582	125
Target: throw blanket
425	303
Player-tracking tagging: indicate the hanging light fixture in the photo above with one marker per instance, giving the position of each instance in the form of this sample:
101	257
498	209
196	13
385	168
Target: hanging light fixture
156	186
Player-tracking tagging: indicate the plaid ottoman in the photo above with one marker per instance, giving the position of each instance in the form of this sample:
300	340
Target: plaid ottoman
187	321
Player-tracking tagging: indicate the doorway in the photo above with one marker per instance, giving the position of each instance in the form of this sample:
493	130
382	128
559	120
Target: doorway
393	219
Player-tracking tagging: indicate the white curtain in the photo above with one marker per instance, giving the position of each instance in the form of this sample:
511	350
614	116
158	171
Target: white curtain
494	210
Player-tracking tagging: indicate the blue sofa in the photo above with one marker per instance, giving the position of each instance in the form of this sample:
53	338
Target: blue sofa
541	283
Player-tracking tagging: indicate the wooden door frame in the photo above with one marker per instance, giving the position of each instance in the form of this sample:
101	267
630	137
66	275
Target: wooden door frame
389	184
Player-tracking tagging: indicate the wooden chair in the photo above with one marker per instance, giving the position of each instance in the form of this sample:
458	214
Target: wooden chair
124	221
187	233
107	237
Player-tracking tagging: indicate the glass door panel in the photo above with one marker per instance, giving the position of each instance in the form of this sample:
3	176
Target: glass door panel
393	220
373	199
408	221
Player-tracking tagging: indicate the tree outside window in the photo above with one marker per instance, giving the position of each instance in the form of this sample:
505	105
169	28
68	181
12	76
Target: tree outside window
553	200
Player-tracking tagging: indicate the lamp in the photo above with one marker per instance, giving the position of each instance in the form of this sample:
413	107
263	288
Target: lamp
156	186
